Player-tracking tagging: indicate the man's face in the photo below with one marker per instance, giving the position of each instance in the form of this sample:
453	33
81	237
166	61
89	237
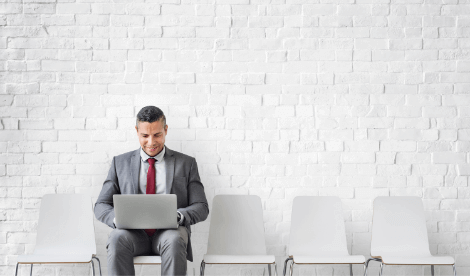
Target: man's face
152	136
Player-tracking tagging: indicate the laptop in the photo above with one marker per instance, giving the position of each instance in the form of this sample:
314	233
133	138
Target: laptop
145	211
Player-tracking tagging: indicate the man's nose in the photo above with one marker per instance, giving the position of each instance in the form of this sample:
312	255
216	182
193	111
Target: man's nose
152	141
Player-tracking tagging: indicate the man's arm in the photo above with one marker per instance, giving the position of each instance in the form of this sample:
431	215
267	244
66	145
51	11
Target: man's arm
104	207
198	209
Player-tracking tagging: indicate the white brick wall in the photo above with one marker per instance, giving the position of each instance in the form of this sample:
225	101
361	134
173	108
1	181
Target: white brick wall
279	98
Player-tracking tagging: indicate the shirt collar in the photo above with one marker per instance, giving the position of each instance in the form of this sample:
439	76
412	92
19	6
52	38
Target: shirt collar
158	157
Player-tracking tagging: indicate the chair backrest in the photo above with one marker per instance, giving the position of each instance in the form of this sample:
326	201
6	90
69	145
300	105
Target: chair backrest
65	225
317	227
399	227
236	226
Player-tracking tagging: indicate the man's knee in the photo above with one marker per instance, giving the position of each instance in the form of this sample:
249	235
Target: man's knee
119	240
174	240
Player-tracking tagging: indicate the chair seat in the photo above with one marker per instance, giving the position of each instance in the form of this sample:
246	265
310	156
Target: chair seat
42	258
425	260
341	259
147	260
239	259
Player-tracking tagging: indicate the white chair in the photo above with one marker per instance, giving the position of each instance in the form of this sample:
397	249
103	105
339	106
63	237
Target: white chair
148	260
399	235
317	233
236	233
65	232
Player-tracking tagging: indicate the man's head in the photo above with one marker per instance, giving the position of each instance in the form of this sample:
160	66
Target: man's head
151	129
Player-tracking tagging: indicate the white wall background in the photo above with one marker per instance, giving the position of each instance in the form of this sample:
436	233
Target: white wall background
277	98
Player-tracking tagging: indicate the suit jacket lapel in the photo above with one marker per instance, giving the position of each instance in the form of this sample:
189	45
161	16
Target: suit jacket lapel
169	168
135	171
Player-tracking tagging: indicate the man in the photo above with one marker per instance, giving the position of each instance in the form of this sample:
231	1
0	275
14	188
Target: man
153	168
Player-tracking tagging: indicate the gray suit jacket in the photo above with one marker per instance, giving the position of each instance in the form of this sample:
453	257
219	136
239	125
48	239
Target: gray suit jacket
182	179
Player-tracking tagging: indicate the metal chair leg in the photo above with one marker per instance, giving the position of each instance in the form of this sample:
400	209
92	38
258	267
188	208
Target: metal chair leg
455	271
92	268
99	263
31	270
381	269
16	271
285	265
432	270
269	270
350	270
275	269
366	265
203	265
291	267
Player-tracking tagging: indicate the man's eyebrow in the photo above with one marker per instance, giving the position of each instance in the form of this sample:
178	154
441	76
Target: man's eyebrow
153	134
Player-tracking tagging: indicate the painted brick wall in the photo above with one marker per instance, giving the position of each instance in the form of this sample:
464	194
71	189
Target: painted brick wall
277	98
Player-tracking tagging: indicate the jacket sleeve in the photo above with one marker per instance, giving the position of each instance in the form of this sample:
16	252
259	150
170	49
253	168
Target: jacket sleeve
198	208
104	207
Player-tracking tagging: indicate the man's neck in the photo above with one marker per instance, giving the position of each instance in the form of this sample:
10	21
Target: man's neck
152	156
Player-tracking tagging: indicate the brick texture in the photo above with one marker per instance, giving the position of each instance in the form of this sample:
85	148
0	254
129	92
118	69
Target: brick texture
279	98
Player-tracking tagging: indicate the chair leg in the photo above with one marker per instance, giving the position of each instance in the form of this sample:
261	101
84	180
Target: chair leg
285	265
16	271
92	268
381	269
455	271
291	267
432	270
31	270
350	270
99	263
269	270
275	269
203	265
366	265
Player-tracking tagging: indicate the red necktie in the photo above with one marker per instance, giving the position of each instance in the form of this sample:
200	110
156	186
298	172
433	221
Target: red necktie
151	186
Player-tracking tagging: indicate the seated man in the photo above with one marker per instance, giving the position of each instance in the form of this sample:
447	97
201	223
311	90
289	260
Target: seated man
151	169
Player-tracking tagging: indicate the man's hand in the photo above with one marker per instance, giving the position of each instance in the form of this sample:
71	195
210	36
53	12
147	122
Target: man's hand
180	218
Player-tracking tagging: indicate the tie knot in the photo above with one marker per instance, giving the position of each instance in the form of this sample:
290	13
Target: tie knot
151	161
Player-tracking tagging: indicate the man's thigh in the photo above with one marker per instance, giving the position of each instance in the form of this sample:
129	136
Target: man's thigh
135	241
170	237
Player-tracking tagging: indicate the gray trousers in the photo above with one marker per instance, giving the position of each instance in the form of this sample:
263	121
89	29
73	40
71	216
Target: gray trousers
170	244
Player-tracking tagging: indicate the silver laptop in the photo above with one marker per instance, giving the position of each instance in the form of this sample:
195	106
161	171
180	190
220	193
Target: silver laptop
145	211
